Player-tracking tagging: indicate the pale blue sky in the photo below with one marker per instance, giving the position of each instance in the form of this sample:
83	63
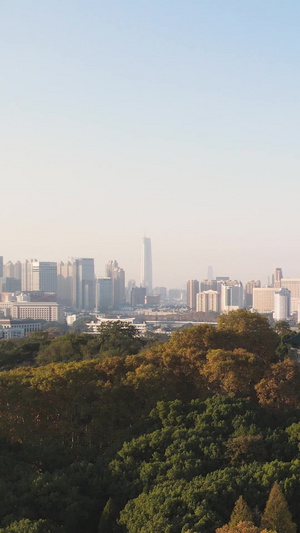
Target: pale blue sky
178	119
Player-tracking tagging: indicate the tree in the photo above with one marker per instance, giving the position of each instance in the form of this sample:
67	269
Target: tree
232	372
277	514
32	526
119	338
253	333
281	386
240	513
243	527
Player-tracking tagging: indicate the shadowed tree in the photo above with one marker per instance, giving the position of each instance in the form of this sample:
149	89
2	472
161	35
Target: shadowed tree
277	515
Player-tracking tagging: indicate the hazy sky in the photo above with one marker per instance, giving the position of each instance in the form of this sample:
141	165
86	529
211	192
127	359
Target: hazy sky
177	119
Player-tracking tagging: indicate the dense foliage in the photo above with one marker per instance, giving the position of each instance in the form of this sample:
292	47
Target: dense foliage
108	434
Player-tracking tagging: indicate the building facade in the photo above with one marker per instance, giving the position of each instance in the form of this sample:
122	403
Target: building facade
83	297
192	291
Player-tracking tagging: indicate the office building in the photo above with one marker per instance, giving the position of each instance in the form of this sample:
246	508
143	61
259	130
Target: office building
210	272
49	311
277	278
138	295
1	266
83	284
146	265
104	294
26	281
9	270
281	304
65	283
117	276
192	291
44	276
12	329
9	285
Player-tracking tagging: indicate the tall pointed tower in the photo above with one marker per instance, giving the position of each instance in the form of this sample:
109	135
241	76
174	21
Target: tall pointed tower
146	265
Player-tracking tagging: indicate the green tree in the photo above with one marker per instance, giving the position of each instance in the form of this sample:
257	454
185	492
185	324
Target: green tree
119	338
240	513
277	515
252	332
32	526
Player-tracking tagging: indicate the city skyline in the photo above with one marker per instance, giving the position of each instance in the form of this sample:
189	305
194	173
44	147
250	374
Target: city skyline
178	121
9	264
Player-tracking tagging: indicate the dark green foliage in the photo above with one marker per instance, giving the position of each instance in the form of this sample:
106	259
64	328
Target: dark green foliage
113	437
32	526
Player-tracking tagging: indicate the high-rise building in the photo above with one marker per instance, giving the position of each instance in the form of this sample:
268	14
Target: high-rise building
9	270
83	284
232	295
138	295
117	276
210	272
250	285
65	283
44	276
293	284
146	265
282	304
26	283
208	285
18	270
192	291
208	301
104	294
263	299
277	278
1	266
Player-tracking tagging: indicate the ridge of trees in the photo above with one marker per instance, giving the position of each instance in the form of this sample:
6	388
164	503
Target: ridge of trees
110	433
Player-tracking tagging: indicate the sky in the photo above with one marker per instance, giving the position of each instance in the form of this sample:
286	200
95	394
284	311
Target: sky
175	119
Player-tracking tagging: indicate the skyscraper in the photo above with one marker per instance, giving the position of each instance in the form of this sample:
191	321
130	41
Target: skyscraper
83	284
146	265
192	291
277	278
117	275
44	276
104	294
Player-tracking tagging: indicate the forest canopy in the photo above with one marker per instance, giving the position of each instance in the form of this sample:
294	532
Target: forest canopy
110	433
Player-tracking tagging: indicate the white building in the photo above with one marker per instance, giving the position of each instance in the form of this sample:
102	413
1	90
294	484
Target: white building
282	301
263	299
208	301
49	311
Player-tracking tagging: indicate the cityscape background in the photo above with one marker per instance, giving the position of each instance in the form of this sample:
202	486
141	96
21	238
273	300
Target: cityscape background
67	291
178	120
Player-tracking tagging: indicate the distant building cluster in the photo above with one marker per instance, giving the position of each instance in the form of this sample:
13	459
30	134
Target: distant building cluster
280	299
50	291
